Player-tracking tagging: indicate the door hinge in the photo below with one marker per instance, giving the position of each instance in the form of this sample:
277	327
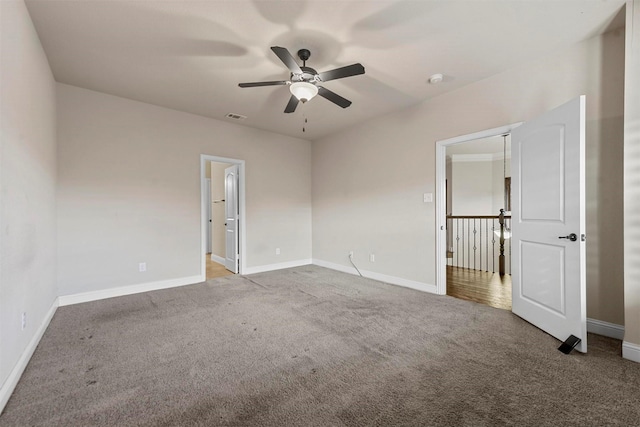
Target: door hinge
583	237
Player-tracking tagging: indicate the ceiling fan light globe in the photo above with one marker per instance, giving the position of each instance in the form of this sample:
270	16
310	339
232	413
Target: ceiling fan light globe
304	91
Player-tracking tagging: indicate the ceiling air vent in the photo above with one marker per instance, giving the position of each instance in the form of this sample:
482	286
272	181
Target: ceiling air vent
235	116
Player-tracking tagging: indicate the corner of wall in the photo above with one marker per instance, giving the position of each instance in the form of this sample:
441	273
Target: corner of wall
14	376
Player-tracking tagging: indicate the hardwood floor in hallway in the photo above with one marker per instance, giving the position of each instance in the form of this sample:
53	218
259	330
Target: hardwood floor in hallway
215	270
479	286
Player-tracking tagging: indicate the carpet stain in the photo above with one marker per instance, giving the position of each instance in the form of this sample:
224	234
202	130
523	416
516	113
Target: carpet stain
255	283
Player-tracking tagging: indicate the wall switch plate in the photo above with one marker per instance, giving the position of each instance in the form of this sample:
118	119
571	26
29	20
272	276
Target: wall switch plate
142	267
24	320
428	197
277	251
372	257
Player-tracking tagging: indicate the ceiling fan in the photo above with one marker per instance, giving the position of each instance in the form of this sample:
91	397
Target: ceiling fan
304	81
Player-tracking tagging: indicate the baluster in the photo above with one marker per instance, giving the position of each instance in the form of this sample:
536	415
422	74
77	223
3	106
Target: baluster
475	247
463	241
468	244
458	242
480	257
501	258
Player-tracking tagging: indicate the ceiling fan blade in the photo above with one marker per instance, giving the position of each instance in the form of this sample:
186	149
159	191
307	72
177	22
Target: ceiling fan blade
257	84
333	97
341	73
286	57
291	106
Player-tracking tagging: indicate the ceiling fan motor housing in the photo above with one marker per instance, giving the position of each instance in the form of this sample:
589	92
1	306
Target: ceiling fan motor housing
308	75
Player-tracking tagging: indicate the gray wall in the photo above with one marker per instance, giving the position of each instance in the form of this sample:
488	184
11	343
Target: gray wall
27	187
632	179
129	191
472	189
368	181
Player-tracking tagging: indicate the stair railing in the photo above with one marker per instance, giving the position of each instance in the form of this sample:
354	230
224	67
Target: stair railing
480	242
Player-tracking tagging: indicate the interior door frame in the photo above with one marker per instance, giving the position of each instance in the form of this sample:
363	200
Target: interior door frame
209	222
441	196
242	241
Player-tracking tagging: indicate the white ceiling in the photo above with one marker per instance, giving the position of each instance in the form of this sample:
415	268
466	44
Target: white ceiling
191	55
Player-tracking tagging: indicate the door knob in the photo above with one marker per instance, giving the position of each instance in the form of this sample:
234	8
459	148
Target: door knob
573	237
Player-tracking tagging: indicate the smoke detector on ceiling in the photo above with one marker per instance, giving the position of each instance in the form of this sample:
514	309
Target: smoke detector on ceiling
235	116
436	78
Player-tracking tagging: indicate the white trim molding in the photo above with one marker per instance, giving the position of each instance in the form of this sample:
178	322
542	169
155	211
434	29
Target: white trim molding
204	158
485	157
463	158
441	203
631	351
278	266
128	290
392	280
606	329
217	258
13	378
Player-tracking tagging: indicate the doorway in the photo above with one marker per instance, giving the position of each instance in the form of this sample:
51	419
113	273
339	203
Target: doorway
548	233
222	228
478	221
462	269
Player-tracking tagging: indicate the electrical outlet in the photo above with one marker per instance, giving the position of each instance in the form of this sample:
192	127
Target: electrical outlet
142	267
350	254
24	320
372	257
277	251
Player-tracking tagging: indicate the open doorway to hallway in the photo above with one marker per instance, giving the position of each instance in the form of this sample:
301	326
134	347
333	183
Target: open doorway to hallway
215	269
223	224
478	221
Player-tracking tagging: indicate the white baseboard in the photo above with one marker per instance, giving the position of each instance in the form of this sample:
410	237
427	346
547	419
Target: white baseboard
12	381
279	266
128	290
424	287
218	259
631	351
606	329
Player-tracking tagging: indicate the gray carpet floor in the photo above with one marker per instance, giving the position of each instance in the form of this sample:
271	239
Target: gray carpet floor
313	347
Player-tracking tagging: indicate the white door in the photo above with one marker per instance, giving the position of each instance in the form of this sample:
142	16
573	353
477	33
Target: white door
548	194
209	214
231	217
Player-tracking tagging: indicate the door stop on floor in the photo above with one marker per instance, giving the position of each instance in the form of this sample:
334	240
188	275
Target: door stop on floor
569	344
